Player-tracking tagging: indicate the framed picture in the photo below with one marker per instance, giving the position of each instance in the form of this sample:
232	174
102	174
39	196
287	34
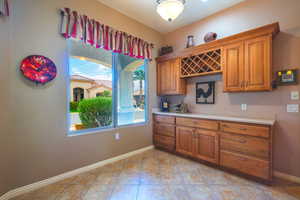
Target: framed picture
205	92
287	77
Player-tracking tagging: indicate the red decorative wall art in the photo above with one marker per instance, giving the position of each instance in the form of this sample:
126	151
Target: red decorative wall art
38	69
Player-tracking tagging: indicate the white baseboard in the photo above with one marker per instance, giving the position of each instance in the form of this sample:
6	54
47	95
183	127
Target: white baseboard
287	177
28	188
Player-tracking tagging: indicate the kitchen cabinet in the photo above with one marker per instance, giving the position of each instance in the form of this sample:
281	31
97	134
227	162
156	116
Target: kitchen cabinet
168	78
243	147
184	140
233	67
164	132
258	59
206	145
244	59
247	65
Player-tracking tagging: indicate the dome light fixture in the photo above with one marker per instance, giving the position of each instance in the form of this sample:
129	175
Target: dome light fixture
170	9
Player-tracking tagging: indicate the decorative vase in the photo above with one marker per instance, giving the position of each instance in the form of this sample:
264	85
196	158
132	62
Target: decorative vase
210	36
190	41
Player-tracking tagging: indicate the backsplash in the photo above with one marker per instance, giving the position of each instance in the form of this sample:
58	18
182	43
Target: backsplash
263	105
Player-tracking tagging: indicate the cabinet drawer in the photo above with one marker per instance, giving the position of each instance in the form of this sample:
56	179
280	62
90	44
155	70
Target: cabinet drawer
245	164
164	142
253	146
244	129
197	123
164	119
164	129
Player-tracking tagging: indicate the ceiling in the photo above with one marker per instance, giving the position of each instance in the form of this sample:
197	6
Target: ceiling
144	11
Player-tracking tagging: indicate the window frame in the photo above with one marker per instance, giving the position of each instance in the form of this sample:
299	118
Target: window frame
115	79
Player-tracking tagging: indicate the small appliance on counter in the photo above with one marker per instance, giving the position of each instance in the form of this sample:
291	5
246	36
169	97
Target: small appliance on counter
164	105
181	108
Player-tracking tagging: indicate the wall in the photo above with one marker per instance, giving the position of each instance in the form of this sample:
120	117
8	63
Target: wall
6	150
245	16
40	144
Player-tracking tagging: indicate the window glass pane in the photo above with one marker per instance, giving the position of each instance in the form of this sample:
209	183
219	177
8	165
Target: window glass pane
131	90
90	87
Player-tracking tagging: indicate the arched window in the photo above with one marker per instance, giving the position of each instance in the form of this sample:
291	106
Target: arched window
78	94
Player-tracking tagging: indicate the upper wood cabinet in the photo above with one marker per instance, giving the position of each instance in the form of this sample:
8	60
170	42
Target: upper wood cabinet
247	65
258	59
233	67
245	59
168	78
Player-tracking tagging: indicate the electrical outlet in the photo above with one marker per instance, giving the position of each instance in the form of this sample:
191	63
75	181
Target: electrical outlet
117	136
294	95
243	107
292	108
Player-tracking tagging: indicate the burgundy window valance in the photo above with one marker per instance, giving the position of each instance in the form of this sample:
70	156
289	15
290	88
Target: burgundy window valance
4	8
92	32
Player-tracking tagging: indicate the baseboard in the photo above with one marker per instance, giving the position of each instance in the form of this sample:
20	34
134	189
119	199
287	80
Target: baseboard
287	177
28	188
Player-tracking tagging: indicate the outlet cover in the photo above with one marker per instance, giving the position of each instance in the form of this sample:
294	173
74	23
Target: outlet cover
292	108
117	136
243	107
294	95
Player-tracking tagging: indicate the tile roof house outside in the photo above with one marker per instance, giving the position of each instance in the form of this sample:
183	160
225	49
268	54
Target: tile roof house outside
91	87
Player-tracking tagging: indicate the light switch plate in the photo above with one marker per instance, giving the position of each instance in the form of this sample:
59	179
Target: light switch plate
292	108
117	136
243	107
294	95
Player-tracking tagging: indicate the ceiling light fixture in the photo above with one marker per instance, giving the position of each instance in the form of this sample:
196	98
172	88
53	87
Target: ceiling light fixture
170	9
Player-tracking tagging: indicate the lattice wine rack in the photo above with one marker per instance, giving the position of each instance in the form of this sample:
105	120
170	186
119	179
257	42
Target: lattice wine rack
201	64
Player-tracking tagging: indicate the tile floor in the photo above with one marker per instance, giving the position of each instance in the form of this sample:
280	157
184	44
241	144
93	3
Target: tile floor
157	175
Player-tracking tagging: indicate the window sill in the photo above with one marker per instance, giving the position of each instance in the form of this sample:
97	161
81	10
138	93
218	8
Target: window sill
101	130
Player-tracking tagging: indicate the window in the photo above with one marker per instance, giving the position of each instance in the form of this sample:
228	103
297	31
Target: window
106	89
131	90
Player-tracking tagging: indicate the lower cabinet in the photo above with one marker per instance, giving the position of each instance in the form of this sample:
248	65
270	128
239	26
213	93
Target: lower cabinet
184	140
206	145
246	164
199	143
246	148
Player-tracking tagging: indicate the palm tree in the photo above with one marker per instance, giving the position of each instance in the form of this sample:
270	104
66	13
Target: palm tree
139	75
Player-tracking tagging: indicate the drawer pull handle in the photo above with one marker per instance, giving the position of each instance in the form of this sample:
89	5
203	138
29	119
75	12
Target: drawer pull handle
243	129
240	141
224	125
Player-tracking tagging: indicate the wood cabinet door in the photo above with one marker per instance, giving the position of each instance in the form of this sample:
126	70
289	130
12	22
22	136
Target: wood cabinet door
184	140
163	76
175	80
258	64
168	78
233	67
206	145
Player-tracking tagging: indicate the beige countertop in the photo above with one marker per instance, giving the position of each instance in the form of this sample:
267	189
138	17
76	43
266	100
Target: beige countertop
269	122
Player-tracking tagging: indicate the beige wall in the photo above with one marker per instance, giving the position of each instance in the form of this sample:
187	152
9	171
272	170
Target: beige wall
244	16
7	165
41	147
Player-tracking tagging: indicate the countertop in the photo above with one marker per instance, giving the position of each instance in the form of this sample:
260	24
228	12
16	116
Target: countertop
269	122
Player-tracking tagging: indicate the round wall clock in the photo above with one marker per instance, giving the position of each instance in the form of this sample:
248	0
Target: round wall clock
38	69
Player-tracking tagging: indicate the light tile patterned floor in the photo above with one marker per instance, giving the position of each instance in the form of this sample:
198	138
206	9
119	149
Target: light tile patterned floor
157	175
